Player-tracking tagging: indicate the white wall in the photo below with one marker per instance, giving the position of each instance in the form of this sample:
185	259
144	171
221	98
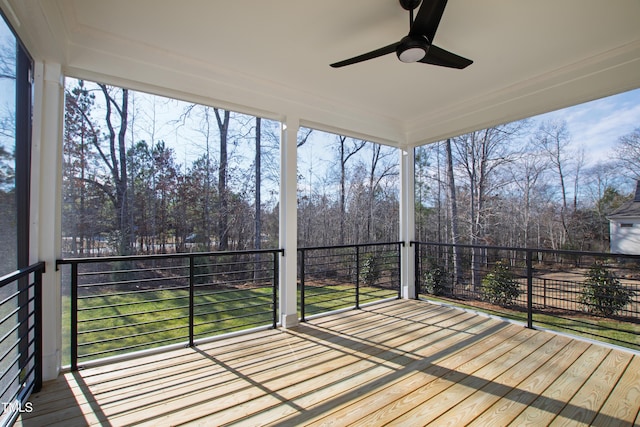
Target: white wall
625	240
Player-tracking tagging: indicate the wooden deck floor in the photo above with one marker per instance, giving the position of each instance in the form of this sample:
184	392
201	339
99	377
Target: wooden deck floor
399	363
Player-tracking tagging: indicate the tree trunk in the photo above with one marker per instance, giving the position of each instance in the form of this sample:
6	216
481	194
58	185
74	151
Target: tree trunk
342	188
117	163
258	216
453	210
223	210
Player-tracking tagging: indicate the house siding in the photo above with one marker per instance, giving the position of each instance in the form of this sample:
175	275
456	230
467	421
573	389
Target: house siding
625	240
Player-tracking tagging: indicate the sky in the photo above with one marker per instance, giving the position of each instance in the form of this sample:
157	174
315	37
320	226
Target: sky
597	125
594	126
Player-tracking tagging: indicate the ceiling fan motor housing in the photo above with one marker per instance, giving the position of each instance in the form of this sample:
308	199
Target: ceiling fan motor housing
412	48
410	4
416	46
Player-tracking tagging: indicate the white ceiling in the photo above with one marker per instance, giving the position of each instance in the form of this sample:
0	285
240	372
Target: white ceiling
271	57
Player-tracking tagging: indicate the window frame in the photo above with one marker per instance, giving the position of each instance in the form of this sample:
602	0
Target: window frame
23	132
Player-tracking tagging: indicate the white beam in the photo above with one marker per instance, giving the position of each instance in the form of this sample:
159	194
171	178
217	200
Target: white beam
407	221
289	222
46	196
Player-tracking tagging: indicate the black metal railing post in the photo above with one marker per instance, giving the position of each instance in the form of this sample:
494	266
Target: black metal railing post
529	289
333	270
37	318
192	279
148	280
400	246
357	277
74	317
276	283
22	329
21	322
302	273
559	278
416	268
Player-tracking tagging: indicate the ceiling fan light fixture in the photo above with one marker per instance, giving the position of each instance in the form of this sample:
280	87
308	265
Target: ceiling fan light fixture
416	46
412	49
413	54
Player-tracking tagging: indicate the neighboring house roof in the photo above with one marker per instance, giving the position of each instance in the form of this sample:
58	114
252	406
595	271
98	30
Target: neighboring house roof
629	209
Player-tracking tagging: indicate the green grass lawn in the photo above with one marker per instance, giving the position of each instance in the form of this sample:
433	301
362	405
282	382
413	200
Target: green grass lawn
116	324
626	334
110	325
320	299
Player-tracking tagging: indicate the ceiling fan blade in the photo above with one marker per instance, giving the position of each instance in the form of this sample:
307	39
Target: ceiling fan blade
428	19
369	55
444	58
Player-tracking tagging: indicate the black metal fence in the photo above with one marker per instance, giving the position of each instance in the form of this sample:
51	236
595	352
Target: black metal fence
337	277
20	339
119	305
594	294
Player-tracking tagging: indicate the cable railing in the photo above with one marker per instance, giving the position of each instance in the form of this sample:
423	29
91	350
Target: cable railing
117	306
586	293
339	277
126	304
20	340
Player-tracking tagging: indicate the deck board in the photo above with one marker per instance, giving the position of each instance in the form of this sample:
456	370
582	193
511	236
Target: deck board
422	400
494	390
425	371
398	363
551	401
622	403
515	401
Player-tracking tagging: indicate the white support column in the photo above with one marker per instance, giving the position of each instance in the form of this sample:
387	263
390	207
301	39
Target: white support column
407	221
46	196
289	223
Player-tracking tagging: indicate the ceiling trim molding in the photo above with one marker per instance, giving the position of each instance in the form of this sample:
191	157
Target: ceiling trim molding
615	71
278	67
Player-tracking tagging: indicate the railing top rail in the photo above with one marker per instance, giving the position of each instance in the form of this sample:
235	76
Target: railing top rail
12	277
541	250
88	260
307	248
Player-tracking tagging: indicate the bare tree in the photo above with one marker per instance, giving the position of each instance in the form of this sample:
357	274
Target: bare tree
602	180
115	159
205	165
78	134
480	154
380	168
526	173
258	176
627	151
554	138
8	59
303	136
345	153
452	205
222	117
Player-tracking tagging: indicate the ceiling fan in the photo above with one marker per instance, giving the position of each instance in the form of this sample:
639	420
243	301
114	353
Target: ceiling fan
416	46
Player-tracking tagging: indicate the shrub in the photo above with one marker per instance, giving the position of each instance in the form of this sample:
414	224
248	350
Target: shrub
369	269
436	281
499	286
603	293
